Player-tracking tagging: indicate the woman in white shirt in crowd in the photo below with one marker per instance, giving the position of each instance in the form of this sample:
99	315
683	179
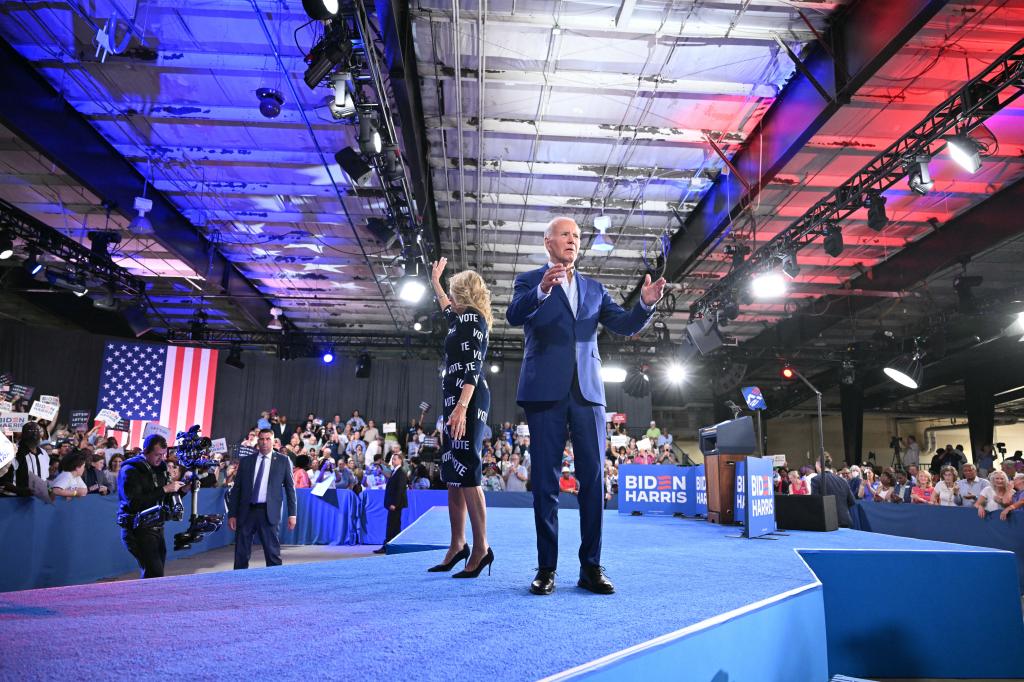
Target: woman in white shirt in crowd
69	481
886	486
996	496
946	490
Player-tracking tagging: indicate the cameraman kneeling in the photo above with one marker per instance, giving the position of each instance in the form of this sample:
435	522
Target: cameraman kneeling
143	483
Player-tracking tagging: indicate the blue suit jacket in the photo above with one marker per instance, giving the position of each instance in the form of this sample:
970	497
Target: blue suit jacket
280	487
556	343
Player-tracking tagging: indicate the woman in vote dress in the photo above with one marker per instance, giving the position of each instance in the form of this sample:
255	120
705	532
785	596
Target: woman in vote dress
467	400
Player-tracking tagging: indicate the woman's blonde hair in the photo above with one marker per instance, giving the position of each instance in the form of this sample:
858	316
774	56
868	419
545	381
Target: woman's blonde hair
469	290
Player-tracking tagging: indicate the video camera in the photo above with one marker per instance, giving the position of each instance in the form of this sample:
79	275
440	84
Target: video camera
193	453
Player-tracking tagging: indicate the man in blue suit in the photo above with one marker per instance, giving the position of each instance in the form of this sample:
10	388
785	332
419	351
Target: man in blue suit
561	390
254	505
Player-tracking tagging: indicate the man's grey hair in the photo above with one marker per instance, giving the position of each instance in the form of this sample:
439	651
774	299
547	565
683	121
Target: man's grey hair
549	230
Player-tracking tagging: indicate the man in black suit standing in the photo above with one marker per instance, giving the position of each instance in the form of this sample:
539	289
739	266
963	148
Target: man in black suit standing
254	506
838	487
396	498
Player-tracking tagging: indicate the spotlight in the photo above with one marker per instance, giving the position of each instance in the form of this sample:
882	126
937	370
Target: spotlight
768	285
676	373
335	48
275	323
613	375
271	102
104	300
235	357
101	241
32	264
833	240
392	164
790	268
422	323
328	356
6	245
417	326
369	136
787	372
320	10
342	105
965	152
412	286
357	170
877	219
906	370
137	321
496	366
920	179
737	253
601	241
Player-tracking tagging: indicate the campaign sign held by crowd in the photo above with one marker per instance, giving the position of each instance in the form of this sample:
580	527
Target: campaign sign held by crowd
652	488
12	422
80	419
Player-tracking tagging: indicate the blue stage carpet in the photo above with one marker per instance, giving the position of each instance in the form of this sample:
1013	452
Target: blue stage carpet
387	619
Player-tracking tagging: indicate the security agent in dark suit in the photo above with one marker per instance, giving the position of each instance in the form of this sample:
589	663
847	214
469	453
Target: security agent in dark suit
254	506
142	483
837	486
396	498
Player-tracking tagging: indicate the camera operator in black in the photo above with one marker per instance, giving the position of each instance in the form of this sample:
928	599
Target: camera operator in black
142	483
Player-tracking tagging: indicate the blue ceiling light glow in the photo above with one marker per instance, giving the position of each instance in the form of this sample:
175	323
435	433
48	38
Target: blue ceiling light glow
328	356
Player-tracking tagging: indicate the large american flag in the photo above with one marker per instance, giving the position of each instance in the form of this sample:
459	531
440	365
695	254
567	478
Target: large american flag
148	382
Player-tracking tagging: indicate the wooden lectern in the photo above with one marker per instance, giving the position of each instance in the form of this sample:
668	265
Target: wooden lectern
723	445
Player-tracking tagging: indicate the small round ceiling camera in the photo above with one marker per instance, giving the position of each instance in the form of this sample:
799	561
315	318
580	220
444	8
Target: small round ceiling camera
270	102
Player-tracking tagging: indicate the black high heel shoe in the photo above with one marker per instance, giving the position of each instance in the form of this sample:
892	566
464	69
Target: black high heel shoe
444	568
486	561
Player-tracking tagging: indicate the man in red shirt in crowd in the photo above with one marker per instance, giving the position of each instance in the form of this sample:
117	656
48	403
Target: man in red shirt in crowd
567	483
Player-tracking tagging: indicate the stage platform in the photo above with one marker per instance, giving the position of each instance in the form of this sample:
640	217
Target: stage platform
692	603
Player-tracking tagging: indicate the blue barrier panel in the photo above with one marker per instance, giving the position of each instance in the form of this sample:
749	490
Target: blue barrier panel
76	541
652	489
327	520
946	524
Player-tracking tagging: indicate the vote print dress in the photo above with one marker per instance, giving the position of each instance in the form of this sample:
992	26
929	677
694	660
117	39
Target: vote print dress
465	348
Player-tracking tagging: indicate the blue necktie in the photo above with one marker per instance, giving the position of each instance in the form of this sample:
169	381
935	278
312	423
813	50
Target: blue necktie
257	480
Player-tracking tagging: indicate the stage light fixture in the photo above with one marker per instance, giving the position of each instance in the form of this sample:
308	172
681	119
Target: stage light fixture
271	102
417	326
833	241
320	10
920	178
768	285
104	300
334	49
328	356
32	264
737	254
275	323
369	137
613	375
877	219
906	370
392	164
790	268
412	285
6	245
787	372
676	373
601	241
357	170
965	152
235	357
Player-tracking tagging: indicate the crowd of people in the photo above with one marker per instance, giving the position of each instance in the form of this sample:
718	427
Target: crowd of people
950	480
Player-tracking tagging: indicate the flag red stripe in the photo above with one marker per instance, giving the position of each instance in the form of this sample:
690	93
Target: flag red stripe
172	422
211	385
192	417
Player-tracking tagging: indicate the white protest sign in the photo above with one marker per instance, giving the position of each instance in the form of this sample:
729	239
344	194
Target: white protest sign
219	445
44	411
390	427
780	460
620	441
50	399
323	486
152	428
644	444
6	406
608	416
522	430
7	451
13	421
109	417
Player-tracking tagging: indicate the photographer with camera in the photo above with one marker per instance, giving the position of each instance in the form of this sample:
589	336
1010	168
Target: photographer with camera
144	483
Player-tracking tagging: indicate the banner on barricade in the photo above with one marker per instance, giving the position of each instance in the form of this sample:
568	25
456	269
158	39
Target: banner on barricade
652	488
700	487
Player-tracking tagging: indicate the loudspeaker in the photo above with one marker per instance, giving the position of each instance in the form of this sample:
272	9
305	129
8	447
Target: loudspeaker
363	366
704	335
806	512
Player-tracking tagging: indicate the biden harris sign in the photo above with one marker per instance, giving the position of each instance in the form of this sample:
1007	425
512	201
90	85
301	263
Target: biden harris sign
755	496
656	489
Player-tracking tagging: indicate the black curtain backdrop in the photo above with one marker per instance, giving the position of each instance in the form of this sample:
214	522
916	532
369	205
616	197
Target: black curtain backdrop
67	363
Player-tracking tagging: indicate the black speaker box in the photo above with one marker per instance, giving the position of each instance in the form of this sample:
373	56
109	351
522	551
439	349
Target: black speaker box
806	512
704	335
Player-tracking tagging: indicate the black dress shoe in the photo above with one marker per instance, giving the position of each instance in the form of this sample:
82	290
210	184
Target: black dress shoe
544	583
382	550
593	578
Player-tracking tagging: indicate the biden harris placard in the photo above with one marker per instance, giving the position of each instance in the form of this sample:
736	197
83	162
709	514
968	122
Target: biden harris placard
755	496
656	489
